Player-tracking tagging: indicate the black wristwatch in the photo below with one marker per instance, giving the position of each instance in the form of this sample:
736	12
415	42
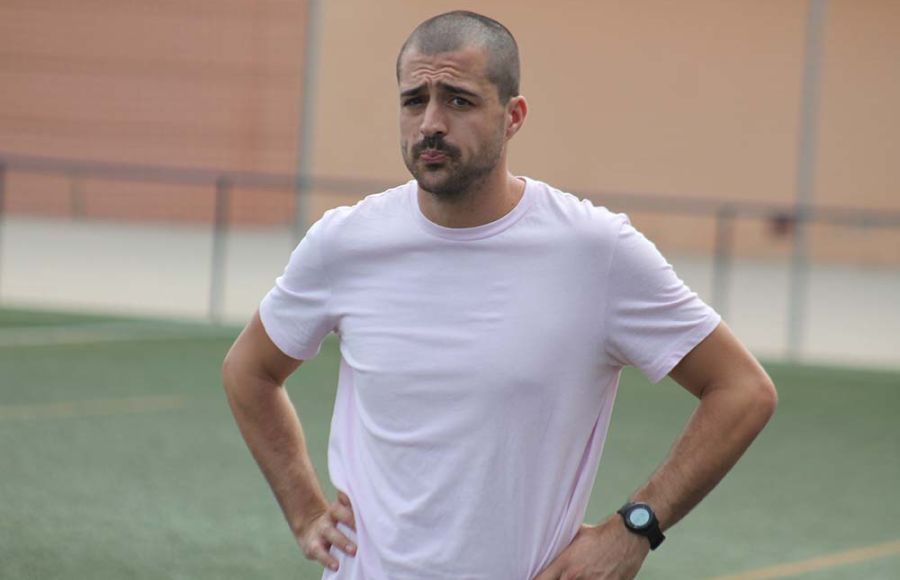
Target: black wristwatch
640	519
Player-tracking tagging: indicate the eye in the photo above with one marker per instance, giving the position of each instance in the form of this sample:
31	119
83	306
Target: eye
412	101
460	102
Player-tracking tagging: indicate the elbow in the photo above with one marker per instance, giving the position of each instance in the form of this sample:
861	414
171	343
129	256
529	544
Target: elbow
228	370
755	395
766	398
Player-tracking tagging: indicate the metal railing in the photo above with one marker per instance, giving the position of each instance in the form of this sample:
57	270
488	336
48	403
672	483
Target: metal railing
724	213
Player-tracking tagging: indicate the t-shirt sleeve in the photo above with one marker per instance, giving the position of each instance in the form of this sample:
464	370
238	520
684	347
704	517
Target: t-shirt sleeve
295	312
653	319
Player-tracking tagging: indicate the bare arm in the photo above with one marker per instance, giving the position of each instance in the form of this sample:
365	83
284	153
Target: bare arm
737	398
253	374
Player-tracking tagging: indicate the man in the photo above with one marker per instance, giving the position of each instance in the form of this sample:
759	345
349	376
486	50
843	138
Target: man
483	320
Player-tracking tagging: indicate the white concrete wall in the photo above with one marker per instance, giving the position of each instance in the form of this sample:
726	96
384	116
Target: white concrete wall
853	312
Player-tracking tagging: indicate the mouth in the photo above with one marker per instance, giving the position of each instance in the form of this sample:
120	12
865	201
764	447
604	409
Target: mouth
433	156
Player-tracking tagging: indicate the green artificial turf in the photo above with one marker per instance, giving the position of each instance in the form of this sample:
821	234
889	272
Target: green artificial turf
174	493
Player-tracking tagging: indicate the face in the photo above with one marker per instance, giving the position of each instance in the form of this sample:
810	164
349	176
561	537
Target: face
453	128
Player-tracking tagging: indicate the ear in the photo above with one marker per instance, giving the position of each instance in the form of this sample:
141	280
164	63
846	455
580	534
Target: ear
516	111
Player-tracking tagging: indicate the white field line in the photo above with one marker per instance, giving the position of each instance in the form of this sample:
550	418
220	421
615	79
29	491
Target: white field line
95	408
820	563
31	336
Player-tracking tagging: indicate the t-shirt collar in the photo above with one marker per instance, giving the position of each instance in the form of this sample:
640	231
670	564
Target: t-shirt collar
476	232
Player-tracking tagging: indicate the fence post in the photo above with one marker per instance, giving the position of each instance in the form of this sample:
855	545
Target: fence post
799	284
721	274
301	208
806	173
76	196
2	216
220	233
305	140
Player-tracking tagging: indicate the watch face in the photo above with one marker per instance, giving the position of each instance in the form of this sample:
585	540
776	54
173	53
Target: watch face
639	517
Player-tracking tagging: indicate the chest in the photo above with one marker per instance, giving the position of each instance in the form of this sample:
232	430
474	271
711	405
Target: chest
415	312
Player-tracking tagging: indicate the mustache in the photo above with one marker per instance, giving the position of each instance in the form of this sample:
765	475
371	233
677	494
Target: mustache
435	143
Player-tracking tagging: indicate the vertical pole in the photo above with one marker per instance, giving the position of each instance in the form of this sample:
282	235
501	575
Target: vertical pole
220	234
302	179
2	215
76	196
723	259
806	166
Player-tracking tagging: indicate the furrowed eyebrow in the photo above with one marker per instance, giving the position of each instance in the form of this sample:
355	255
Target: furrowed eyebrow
413	91
443	86
457	90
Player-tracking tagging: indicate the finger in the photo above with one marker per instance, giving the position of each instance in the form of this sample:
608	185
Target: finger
344	498
320	554
551	572
343	514
333	535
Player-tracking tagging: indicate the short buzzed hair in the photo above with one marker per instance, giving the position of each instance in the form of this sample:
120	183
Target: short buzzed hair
461	28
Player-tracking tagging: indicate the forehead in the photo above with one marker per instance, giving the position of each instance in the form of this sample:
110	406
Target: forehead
467	65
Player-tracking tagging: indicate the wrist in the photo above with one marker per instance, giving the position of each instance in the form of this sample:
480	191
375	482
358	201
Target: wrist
639	519
301	524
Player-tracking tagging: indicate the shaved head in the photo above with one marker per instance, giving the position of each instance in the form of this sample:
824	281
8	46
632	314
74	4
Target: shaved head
460	29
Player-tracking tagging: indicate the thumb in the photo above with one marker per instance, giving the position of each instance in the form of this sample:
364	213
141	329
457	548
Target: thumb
551	572
343	498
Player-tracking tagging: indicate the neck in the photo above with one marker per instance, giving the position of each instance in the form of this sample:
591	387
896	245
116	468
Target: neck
494	197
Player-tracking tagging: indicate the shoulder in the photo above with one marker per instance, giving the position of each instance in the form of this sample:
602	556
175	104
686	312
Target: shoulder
577	214
372	209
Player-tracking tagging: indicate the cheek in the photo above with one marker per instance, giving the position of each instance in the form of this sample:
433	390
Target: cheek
409	137
409	123
489	133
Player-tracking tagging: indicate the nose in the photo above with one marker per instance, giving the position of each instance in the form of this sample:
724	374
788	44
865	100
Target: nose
433	121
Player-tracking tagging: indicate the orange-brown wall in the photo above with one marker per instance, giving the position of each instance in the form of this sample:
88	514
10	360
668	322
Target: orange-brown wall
187	83
697	98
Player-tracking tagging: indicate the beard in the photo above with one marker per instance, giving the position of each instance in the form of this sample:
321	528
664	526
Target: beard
452	179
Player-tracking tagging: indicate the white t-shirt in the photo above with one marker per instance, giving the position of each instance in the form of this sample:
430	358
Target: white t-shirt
479	368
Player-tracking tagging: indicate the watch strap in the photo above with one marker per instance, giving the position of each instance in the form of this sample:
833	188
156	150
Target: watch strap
652	531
